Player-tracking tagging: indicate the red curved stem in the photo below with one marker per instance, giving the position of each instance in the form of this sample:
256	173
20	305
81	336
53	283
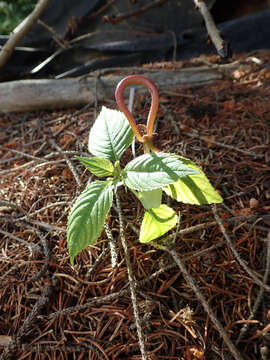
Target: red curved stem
139	80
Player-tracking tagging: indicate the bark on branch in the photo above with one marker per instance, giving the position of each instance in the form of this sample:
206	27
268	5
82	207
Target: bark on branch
21	31
26	95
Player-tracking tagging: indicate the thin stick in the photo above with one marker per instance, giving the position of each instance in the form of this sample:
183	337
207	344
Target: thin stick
226	146
43	225
118	18
204	303
43	162
109	298
27	216
33	248
101	9
204	226
72	169
47	254
259	298
9	204
14	345
62	43
221	46
112	245
97	261
236	254
132	283
21	153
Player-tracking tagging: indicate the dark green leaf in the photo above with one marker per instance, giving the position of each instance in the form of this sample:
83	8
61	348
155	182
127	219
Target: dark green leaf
87	216
100	167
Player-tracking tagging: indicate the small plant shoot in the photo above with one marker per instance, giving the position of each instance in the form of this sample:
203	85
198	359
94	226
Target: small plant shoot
146	176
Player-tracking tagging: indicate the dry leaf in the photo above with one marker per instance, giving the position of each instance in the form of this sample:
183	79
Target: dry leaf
4	340
67	174
253	203
229	105
243	212
209	140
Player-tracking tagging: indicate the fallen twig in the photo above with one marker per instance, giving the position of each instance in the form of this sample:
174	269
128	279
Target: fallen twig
131	279
83	348
69	163
61	42
259	297
33	248
226	146
15	344
189	280
236	254
221	46
109	298
97	261
47	256
118	18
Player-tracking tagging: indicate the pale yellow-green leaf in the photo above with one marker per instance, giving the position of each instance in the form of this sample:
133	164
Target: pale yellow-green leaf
157	222
150	199
193	189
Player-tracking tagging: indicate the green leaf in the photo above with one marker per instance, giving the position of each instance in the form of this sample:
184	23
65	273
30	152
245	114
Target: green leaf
150	199
154	170
100	167
193	189
157	222
87	216
110	135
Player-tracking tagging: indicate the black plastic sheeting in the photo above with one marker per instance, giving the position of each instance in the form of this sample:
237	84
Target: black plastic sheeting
98	40
245	34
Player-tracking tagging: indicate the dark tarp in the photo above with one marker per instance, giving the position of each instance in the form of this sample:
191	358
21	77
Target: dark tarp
96	37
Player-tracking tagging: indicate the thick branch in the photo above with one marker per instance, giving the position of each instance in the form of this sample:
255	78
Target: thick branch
21	31
24	95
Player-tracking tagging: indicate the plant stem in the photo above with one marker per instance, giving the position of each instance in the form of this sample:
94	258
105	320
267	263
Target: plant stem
130	107
204	303
131	279
139	80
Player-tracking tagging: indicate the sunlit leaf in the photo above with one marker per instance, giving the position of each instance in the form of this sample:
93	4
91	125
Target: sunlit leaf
110	135
100	167
154	170
193	189
157	222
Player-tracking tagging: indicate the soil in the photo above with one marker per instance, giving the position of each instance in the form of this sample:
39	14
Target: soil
52	310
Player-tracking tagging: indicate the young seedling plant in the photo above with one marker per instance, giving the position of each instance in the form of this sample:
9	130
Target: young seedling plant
146	176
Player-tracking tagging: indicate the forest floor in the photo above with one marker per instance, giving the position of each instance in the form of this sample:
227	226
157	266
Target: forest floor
52	310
